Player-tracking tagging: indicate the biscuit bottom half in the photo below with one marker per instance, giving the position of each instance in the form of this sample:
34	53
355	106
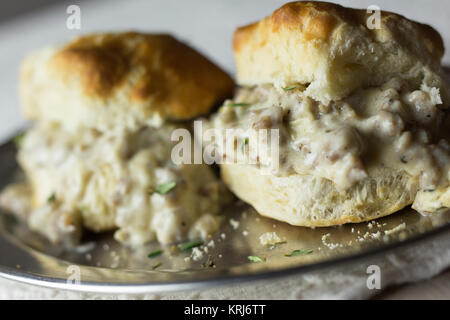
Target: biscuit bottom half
356	159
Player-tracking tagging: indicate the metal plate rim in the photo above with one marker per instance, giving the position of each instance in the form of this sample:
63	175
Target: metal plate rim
123	288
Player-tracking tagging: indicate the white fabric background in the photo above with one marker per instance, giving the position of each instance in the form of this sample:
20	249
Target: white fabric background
208	26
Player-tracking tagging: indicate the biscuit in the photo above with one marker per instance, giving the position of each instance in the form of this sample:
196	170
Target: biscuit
332	50
99	79
362	115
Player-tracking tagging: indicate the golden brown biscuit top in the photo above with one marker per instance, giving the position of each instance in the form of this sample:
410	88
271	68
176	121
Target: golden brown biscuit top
318	20
334	50
154	71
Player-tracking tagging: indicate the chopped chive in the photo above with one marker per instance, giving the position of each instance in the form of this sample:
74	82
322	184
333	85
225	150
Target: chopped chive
18	140
156	266
240	104
164	188
189	245
289	88
244	143
155	253
51	198
299	252
256	259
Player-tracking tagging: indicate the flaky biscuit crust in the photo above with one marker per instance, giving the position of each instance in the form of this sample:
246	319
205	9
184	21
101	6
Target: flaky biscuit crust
332	49
145	74
309	201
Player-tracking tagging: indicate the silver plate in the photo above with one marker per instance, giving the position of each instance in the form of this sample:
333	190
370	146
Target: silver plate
106	266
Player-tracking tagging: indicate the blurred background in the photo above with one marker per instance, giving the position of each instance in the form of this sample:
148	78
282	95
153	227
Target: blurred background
207	25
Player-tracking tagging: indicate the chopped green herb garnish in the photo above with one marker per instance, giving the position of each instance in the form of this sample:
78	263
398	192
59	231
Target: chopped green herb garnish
244	143
240	104
256	259
155	253
51	198
164	188
289	88
18	140
299	252
189	245
156	266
